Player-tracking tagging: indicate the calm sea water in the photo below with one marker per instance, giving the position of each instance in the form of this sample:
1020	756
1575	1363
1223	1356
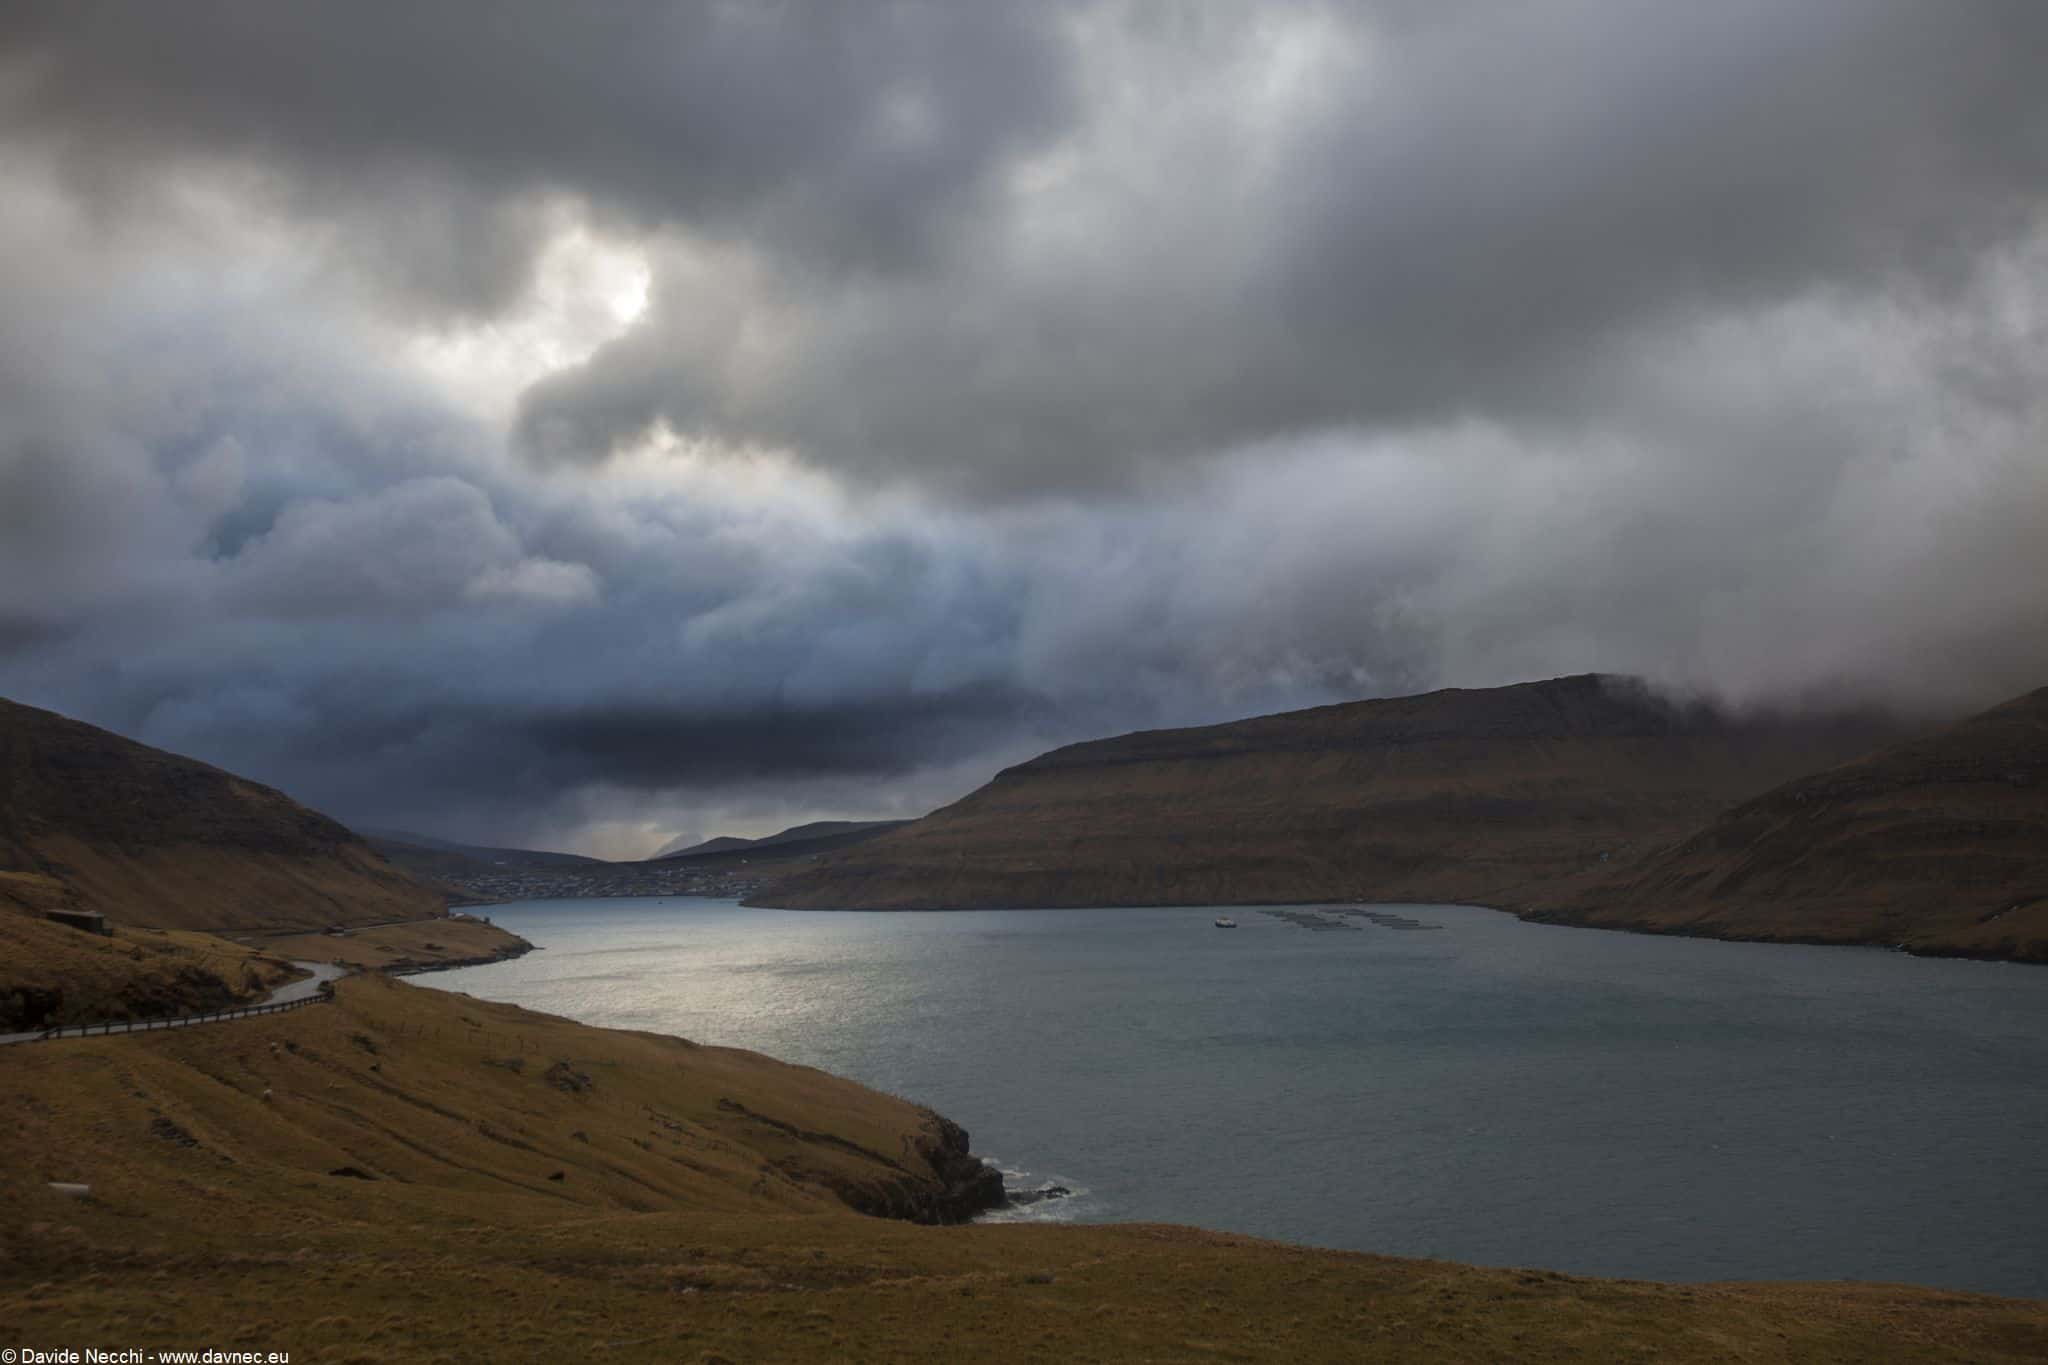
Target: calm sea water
1486	1091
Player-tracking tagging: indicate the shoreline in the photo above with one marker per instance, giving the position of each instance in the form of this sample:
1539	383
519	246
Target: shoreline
1544	917
508	953
562	918
401	947
1931	952
969	1185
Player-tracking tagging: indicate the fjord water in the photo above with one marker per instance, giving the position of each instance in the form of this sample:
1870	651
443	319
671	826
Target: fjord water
1486	1090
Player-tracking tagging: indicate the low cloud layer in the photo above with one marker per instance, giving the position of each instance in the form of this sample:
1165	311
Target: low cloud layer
701	418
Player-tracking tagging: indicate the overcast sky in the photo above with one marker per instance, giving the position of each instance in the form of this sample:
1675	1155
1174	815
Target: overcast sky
583	425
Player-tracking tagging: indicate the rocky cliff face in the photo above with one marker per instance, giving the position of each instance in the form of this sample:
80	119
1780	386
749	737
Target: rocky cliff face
971	1185
150	838
1500	796
952	1187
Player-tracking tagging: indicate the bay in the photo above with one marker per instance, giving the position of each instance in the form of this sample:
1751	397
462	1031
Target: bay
1479	1089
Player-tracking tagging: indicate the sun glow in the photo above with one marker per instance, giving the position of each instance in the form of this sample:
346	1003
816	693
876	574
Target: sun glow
585	292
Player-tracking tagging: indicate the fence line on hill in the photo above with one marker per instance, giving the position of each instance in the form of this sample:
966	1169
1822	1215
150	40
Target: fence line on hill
178	1021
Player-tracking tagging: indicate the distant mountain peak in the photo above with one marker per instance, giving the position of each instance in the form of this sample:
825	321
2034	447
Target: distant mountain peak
837	830
683	846
481	852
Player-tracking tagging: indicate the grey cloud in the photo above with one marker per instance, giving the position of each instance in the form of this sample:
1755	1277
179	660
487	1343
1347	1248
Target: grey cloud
1515	187
1011	249
277	551
1473	213
846	134
408	549
656	747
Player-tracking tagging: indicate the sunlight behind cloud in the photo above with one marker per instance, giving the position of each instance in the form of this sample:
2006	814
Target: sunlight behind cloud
586	291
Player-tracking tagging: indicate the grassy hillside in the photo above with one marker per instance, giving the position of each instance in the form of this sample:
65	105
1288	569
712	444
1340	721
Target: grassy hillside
149	838
412	1173
1494	796
50	974
1939	844
399	1101
412	946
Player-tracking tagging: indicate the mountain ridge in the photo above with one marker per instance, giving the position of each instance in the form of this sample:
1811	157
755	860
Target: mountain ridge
812	832
376	836
1938	844
1492	795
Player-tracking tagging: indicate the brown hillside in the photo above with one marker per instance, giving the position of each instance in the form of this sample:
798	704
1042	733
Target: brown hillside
1939	844
149	838
412	1174
50	974
418	945
1493	796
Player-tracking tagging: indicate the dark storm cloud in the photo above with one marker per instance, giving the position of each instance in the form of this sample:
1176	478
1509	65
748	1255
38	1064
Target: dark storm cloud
1518	189
1007	374
272	547
1017	248
845	134
655	747
1468	214
376	740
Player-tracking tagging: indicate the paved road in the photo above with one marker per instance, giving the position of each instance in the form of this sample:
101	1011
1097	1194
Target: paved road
322	973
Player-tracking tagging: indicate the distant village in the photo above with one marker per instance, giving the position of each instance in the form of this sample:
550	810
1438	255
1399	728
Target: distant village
509	882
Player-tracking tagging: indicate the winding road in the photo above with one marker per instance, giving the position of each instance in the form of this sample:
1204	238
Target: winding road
289	993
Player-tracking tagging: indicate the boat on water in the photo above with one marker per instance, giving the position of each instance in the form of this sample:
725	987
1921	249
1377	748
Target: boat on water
1225	922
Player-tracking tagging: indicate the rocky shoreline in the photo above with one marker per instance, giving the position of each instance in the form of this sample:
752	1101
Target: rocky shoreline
966	1185
971	1185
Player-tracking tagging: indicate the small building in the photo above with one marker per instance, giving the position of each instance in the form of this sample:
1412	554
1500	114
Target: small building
91	921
